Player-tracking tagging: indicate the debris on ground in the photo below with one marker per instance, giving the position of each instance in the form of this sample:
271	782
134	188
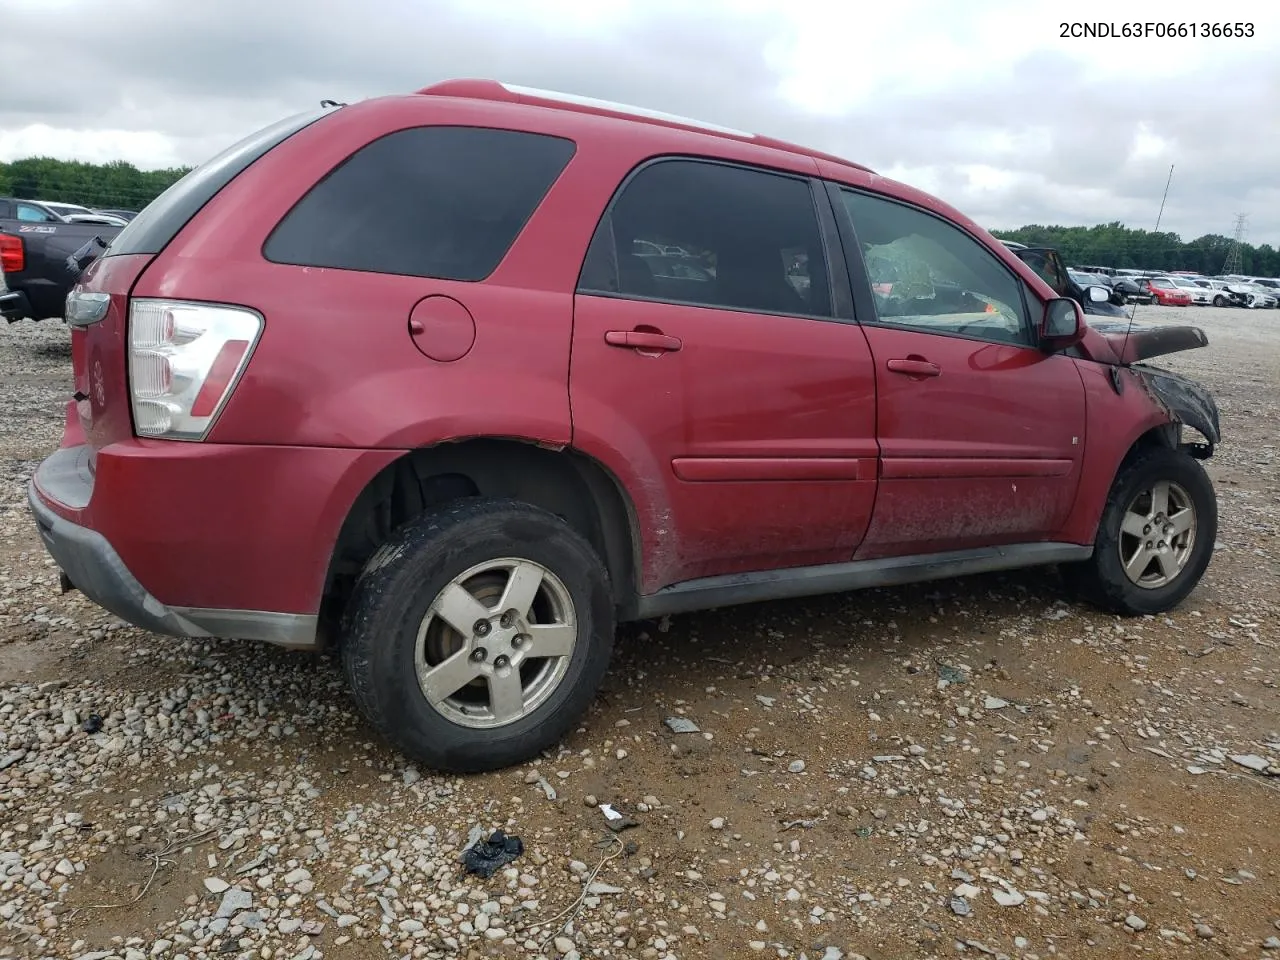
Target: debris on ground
681	725
486	857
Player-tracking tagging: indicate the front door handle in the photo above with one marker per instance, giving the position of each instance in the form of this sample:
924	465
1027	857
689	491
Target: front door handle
917	367
643	340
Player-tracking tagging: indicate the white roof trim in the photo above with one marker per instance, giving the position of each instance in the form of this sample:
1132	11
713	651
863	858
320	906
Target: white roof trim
623	108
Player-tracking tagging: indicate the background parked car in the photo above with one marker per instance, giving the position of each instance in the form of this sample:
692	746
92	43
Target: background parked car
37	246
1131	290
1166	292
75	213
1201	296
1086	280
125	215
1222	295
1257	296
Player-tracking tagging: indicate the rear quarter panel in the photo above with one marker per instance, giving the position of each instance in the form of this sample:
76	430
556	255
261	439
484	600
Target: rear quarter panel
336	365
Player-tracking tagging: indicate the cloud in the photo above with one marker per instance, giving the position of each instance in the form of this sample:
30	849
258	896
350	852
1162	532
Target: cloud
982	103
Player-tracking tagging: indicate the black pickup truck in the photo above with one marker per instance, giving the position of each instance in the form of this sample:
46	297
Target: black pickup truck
43	255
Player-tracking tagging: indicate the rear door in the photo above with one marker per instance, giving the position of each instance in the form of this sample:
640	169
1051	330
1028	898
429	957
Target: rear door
981	433
716	368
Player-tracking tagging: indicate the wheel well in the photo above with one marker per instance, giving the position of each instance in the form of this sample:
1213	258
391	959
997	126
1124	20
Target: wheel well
566	482
1167	435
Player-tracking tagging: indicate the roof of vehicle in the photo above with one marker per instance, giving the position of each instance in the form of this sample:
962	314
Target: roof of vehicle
532	96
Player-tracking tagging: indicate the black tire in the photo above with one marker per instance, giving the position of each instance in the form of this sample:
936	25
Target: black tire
1102	579
400	584
1219	301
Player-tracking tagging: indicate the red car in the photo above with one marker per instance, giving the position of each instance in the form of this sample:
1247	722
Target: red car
458	380
1166	292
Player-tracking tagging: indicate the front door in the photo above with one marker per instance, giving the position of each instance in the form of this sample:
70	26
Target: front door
981	433
716	374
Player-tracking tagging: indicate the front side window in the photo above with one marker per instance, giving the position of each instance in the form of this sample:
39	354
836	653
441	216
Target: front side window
929	275
713	235
441	202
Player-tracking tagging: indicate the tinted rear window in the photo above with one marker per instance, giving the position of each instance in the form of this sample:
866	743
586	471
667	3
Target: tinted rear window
159	222
442	202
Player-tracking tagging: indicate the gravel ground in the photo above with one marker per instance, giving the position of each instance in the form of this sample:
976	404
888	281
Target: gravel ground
978	767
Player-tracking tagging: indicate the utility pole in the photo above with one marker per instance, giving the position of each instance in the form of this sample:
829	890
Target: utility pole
1232	265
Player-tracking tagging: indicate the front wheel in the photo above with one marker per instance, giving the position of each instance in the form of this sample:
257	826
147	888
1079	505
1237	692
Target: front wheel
1219	301
478	634
1155	539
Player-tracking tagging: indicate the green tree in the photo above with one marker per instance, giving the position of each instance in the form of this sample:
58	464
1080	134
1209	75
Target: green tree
112	185
1115	245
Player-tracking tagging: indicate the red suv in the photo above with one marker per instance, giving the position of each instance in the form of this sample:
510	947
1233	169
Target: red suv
460	379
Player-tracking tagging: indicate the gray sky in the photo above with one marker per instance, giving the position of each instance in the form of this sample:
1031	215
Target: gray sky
981	103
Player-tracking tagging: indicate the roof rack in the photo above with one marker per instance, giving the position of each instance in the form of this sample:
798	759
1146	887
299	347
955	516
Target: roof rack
514	93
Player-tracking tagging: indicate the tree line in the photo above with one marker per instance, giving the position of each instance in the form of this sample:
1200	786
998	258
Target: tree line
122	185
1115	245
116	185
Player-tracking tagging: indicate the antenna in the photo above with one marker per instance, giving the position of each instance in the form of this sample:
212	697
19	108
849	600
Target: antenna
1159	216
1233	265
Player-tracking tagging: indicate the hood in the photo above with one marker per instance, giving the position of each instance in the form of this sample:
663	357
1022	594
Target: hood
1135	344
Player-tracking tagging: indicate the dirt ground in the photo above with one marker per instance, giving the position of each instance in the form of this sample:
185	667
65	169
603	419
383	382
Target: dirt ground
979	767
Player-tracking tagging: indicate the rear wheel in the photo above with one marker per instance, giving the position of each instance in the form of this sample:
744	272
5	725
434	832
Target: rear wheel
1155	539
478	634
1219	300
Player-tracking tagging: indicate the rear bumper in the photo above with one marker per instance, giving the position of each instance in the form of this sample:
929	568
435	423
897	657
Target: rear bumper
199	540
93	567
14	305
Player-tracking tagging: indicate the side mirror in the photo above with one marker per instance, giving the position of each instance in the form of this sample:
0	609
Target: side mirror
1062	325
1097	294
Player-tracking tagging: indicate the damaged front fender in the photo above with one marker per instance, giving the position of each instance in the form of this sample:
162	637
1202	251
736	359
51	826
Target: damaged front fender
1186	403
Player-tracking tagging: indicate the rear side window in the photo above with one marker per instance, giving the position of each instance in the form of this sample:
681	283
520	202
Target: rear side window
712	235
159	222
441	202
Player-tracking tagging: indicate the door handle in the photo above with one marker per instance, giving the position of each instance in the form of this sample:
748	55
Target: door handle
917	367
642	340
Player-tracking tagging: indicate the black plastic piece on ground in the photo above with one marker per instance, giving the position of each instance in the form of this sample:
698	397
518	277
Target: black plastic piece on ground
489	856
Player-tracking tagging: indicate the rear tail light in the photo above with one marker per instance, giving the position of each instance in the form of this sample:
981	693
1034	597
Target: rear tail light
13	254
184	361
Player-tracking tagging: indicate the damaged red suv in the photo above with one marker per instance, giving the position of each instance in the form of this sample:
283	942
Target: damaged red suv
458	380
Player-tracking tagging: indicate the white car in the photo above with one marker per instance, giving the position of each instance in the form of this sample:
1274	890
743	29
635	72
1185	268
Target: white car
1200	296
74	213
1221	291
1255	297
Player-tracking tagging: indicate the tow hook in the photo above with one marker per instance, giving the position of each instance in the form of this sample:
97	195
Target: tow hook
64	582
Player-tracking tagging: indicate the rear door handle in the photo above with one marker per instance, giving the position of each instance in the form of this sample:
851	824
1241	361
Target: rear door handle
642	340
915	367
